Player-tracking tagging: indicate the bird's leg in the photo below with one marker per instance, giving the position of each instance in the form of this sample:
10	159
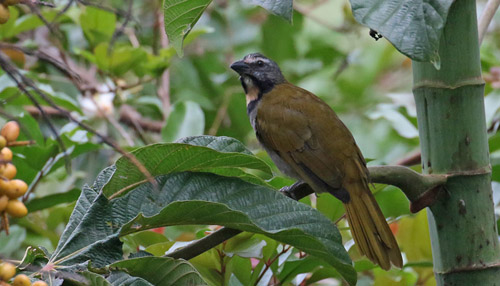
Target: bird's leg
297	190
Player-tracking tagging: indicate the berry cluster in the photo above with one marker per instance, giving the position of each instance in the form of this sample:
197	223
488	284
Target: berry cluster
4	9
8	270
10	189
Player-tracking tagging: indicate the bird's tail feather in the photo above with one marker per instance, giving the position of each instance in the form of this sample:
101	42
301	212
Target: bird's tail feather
369	229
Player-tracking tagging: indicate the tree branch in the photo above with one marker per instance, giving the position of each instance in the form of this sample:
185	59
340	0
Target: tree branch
420	189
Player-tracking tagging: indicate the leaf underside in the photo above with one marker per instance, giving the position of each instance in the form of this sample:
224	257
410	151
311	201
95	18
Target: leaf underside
413	27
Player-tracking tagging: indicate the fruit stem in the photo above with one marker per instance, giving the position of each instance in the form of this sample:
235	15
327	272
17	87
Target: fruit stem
20	143
5	223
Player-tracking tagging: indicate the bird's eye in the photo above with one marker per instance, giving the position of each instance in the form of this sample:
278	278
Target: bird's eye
260	63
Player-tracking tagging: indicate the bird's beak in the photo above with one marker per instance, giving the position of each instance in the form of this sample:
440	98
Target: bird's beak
240	67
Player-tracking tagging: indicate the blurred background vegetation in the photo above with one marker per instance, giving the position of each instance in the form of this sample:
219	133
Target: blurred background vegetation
109	64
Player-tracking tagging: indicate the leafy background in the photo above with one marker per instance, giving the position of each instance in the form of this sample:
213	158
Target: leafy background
136	76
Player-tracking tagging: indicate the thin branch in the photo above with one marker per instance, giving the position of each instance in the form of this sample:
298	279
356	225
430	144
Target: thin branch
269	263
118	12
410	160
60	13
35	10
164	84
133	118
41	55
40	3
198	247
120	29
23	82
128	115
221	111
485	20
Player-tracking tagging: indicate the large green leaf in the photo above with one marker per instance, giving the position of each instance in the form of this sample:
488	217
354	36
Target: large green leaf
195	198
161	271
52	200
210	199
223	156
179	17
414	27
283	8
186	119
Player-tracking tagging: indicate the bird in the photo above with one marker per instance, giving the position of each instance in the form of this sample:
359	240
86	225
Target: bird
307	141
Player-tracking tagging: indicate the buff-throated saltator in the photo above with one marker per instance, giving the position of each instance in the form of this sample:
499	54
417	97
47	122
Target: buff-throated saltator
306	140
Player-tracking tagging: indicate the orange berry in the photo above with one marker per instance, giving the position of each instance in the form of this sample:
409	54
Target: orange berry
4	185
14	188
7	271
21	280
39	283
4	14
6	153
10	131
9	172
16	208
4	200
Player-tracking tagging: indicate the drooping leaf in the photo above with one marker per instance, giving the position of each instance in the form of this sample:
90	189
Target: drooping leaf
283	8
210	199
179	18
195	198
413	27
186	119
52	200
162	159
161	271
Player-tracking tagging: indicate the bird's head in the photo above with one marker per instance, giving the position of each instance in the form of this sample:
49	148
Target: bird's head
257	70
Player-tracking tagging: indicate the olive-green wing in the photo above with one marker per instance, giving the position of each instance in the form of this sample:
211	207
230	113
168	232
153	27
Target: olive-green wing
309	137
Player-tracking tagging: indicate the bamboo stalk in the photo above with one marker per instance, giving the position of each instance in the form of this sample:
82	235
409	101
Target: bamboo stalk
451	120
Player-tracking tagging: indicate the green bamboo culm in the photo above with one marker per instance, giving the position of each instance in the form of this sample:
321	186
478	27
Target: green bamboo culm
453	140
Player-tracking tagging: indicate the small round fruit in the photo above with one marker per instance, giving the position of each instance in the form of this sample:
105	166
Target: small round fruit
7	271
4	186
9	172
11	2
4	200
6	153
39	283
21	280
4	14
16	208
10	131
15	188
3	142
